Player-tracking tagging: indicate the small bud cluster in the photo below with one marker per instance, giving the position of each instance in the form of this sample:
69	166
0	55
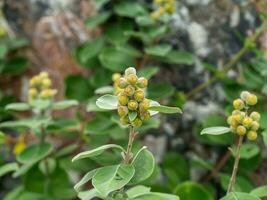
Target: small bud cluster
241	122
131	97
40	87
164	6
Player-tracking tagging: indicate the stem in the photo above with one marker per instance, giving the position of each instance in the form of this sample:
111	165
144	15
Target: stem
231	62
128	156
237	158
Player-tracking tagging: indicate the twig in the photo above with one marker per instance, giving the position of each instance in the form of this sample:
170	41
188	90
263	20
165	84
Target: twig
237	158
231	62
128	153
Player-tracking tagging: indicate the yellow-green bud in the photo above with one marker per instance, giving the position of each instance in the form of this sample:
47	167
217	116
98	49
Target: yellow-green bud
252	100
145	115
43	75
137	122
252	135
129	90
255	126
255	116
238	104
230	120
123	99
247	121
131	79
142	82
47	93
144	105
124	120
132	105
244	95
123	111
130	70
46	83
238	118
139	95
35	81
122	83
116	77
33	92
241	130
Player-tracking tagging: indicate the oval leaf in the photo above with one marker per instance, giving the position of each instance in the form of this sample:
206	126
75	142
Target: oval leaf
219	130
87	177
156	196
18	106
96	152
143	164
165	109
8	168
239	196
132	116
107	102
111	178
34	153
260	191
64	104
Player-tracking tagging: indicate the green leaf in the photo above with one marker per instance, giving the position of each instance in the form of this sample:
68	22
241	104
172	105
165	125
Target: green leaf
18	106
111	178
132	115
60	105
137	191
143	164
33	123
160	90
96	152
97	20
87	177
219	130
260	191
107	102
179	57
104	90
40	104
145	20
23	169
148	72
165	109
9	167
115	60
128	9
34	153
89	51
89	194
47	166
239	196
158	50
156	196
248	151
3	51
193	191
15	66
242	183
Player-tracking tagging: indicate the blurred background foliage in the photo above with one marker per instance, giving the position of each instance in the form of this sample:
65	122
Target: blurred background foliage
199	56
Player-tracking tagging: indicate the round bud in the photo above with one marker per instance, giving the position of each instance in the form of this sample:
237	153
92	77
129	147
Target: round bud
144	105
132	105
236	112
116	77
132	79
123	111
238	118
255	116
252	135
130	70
43	75
142	82
46	83
247	121
255	126
252	99
35	81
33	92
124	120
241	130
139	95
238	104
122	83
129	90
244	95
123	99
137	122
145	115
45	94
230	120
169	8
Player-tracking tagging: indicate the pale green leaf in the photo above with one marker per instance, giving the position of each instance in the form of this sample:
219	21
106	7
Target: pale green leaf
18	106
260	191
165	109
218	130
60	105
9	167
108	102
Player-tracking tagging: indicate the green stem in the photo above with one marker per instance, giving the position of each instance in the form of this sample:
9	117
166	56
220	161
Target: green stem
128	153
231	62
235	169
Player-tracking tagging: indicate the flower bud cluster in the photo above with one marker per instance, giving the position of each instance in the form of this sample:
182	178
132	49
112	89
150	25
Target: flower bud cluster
40	87
131	97
241	122
164	6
